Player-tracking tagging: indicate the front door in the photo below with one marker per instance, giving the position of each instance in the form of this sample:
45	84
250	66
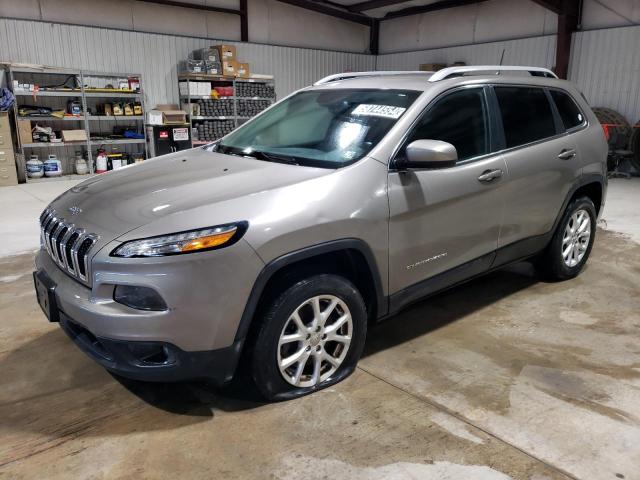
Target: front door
441	219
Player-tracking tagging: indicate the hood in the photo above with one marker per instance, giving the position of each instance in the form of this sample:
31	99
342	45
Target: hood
117	202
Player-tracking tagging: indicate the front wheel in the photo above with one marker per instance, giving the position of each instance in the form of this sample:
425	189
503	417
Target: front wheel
311	337
571	244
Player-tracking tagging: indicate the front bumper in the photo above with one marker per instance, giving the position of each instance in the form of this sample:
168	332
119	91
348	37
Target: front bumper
195	338
205	292
154	361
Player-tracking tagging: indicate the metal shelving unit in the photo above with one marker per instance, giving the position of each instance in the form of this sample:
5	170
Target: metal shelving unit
91	123
218	80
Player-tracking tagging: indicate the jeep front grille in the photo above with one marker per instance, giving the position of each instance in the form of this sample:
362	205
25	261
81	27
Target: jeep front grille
68	245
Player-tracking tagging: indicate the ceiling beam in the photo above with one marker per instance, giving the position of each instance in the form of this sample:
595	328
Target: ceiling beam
371	4
374	37
441	5
328	10
560	7
244	21
568	12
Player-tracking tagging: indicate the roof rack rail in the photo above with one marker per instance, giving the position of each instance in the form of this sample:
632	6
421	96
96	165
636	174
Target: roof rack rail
344	76
494	69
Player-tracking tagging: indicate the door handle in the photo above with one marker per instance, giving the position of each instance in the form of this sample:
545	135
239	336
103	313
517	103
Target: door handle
567	154
490	175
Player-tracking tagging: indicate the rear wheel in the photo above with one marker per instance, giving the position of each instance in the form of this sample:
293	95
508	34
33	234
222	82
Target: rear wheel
571	244
311	336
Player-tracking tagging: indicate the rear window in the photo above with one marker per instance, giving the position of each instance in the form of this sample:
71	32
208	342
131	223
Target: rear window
526	115
569	112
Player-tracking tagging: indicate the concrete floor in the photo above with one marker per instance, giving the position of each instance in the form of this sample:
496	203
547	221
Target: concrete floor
505	377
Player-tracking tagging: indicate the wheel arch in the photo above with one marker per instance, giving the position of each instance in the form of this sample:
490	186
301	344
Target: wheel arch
350	257
593	190
592	186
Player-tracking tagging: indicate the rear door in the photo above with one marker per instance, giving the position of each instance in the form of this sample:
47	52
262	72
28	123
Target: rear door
541	158
444	218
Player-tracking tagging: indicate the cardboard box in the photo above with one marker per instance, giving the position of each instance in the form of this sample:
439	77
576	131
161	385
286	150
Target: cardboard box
227	52
154	117
24	131
243	70
188	88
432	67
171	114
174	117
230	68
74	135
204	89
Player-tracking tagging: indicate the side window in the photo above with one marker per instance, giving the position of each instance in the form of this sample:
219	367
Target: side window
526	114
460	118
569	112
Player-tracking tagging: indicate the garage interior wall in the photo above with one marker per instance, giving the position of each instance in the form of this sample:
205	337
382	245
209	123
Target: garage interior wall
270	21
156	56
605	60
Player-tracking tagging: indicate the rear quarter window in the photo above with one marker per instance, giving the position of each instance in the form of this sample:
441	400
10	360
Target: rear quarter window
569	112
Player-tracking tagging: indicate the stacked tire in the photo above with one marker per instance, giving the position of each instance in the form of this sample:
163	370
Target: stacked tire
211	130
618	132
250	108
617	126
216	108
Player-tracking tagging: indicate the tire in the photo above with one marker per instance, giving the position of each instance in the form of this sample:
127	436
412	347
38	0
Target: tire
619	131
278	383
553	263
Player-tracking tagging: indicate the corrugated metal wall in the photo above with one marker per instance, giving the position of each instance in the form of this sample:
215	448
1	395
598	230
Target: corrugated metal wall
604	63
537	51
606	66
156	56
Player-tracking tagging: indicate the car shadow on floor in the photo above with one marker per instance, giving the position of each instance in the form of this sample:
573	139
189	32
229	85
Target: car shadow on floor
68	370
196	398
420	319
441	309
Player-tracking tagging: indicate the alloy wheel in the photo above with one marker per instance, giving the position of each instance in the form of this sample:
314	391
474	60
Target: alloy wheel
314	341
575	240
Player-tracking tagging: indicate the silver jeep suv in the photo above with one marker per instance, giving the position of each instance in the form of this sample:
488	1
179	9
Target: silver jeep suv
336	207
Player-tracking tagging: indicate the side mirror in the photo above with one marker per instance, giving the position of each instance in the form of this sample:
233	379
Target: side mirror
430	154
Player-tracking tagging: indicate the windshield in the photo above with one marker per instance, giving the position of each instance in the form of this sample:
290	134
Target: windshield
325	128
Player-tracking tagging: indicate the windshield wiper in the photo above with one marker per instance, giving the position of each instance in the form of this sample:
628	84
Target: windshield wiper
258	154
272	157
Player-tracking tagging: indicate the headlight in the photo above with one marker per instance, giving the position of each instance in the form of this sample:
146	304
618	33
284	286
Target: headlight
183	242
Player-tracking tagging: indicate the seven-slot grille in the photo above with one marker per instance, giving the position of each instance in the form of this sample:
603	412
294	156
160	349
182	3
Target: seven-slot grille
68	246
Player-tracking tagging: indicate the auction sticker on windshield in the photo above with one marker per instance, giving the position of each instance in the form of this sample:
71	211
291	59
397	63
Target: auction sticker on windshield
385	111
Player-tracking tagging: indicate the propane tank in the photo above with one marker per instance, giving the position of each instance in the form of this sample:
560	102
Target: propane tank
101	161
81	165
35	168
52	166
